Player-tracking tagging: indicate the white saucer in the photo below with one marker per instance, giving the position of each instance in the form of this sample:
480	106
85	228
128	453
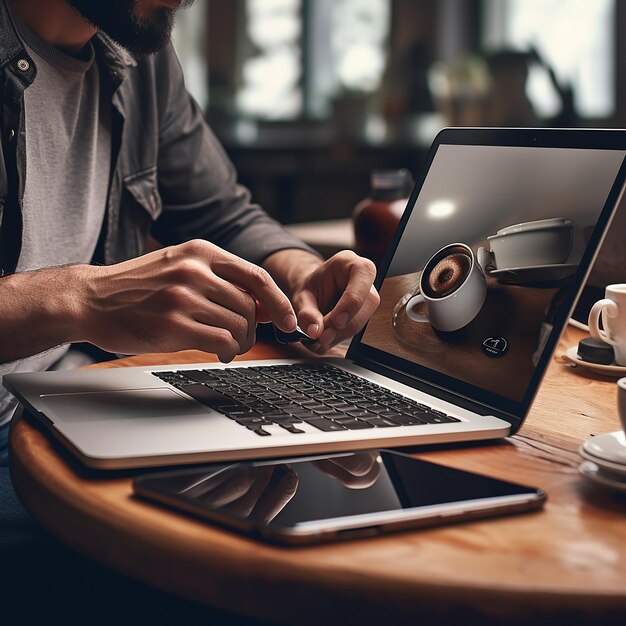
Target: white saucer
607	370
595	474
534	273
614	468
607	447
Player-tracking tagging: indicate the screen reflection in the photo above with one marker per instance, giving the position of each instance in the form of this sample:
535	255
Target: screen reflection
287	493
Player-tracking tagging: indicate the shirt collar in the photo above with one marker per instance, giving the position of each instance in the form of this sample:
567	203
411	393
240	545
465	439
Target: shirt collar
116	59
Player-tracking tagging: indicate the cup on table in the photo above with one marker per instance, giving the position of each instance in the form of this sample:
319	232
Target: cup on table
621	401
453	287
612	309
529	244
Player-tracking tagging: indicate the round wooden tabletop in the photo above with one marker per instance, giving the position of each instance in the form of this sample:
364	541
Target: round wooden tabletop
566	561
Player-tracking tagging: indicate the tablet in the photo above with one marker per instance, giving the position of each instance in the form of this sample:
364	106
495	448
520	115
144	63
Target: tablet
332	497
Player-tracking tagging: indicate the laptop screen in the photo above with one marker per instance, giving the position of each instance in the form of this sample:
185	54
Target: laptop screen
489	257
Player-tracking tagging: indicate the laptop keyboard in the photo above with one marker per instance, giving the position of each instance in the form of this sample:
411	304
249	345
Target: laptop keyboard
324	396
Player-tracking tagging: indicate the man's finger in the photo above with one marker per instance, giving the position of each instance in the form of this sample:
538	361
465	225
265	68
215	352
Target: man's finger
230	296
214	340
212	314
361	274
258	283
262	316
246	503
238	482
331	336
281	489
357	463
349	478
310	319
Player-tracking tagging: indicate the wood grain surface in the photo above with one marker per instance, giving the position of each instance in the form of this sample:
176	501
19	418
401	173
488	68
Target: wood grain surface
566	562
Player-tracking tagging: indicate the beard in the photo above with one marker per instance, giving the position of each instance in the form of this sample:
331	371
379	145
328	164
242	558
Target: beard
120	20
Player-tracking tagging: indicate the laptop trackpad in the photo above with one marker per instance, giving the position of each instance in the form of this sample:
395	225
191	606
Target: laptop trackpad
125	404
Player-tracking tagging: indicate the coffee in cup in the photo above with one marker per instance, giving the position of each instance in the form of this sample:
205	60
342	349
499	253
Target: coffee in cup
612	309
453	287
448	274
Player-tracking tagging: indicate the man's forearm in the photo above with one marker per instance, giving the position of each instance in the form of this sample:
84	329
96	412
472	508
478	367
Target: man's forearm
39	310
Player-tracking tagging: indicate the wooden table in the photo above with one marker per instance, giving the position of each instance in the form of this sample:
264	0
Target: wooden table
567	561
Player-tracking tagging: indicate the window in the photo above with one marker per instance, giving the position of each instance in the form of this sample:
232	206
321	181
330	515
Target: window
271	74
300	54
574	37
189	41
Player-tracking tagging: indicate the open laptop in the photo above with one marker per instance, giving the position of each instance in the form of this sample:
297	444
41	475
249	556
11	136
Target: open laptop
481	277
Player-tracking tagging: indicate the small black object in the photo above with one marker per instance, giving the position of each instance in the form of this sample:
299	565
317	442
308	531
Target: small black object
294	337
595	351
495	347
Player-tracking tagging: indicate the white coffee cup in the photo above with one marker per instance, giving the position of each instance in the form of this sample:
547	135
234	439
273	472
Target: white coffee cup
455	308
529	244
613	311
621	401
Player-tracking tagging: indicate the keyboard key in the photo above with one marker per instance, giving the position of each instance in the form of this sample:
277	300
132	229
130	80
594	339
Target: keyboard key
205	395
251	421
380	422
289	419
354	424
306	415
338	403
202	376
436	418
271	415
335	415
324	424
404	420
311	406
258	430
362	413
242	409
291	428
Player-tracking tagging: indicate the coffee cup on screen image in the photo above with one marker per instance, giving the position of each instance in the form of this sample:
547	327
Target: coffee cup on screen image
612	309
452	286
621	401
529	244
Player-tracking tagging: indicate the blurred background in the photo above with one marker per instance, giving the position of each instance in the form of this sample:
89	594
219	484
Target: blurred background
310	96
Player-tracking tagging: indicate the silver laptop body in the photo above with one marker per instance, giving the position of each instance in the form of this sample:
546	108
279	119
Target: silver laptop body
472	368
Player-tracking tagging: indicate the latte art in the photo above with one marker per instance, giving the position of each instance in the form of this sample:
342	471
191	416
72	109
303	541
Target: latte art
448	275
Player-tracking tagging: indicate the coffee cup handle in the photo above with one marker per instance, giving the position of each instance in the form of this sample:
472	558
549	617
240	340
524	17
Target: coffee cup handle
486	260
598	309
414	301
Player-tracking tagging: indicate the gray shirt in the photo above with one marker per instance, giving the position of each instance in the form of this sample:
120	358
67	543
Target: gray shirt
68	152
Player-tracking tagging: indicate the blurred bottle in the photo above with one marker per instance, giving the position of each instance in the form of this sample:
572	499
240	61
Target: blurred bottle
376	218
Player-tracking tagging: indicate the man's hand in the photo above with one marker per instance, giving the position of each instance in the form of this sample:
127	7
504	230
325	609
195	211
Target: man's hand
247	491
333	299
261	492
357	470
194	295
191	296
